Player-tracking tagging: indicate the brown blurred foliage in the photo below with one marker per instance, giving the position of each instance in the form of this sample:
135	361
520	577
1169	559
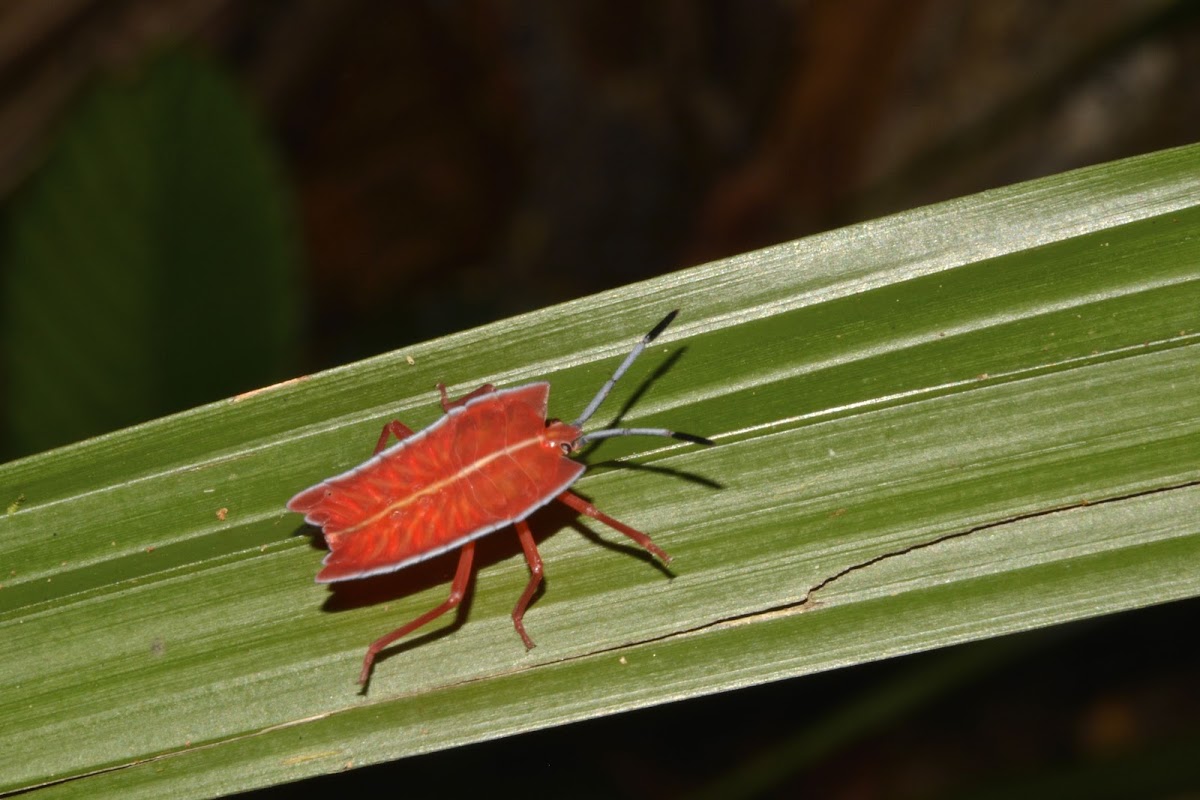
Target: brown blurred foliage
461	162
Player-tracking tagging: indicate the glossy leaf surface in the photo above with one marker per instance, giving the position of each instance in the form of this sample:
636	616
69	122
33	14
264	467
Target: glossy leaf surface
958	422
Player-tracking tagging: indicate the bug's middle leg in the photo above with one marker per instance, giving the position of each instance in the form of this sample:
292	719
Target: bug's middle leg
448	404
584	507
458	588
535	578
394	428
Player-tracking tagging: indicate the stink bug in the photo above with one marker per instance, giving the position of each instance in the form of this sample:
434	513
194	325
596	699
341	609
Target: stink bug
490	462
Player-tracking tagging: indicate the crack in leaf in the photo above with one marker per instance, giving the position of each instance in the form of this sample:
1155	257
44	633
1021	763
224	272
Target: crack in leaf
984	526
809	603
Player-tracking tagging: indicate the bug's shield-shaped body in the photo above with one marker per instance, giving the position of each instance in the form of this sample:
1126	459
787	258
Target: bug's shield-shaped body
484	465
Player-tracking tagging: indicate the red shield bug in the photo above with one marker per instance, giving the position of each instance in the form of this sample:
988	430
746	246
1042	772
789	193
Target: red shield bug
490	462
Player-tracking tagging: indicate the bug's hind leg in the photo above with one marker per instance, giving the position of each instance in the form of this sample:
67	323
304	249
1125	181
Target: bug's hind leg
462	576
584	507
448	404
394	428
535	578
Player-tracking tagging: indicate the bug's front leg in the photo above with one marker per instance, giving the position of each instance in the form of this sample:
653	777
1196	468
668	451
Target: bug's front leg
584	507
394	428
448	404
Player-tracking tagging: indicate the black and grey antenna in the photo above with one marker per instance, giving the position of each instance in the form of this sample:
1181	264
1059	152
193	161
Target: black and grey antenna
607	387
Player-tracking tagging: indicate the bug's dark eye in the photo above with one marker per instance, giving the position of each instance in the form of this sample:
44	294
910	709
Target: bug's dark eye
566	448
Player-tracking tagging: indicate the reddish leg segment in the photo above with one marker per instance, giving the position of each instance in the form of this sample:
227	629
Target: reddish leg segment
584	507
448	404
535	578
395	428
458	588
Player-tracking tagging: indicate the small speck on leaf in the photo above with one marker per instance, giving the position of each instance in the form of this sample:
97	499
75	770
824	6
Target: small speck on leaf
247	395
222	513
15	504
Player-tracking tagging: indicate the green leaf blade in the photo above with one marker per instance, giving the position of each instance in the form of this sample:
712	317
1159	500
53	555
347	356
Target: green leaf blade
956	423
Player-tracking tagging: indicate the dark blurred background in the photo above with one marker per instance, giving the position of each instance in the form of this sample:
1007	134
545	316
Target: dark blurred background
431	166
200	197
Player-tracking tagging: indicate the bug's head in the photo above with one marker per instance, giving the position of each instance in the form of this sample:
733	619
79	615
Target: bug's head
562	436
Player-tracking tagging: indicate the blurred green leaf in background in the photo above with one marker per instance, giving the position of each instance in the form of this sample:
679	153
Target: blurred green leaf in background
150	265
